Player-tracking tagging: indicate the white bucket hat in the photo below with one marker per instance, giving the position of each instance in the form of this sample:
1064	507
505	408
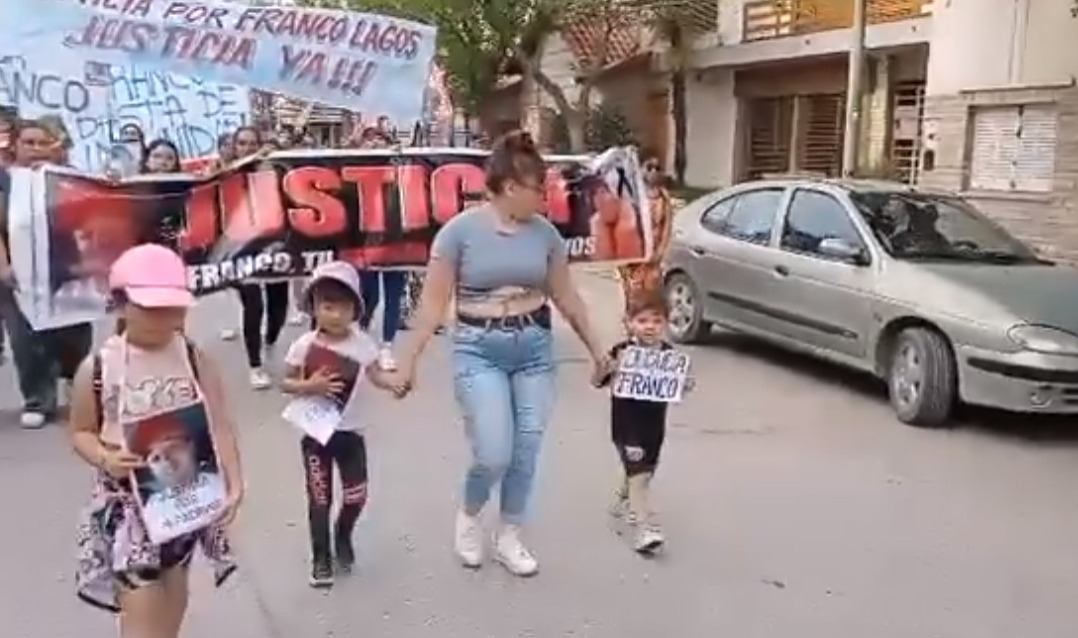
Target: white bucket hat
343	273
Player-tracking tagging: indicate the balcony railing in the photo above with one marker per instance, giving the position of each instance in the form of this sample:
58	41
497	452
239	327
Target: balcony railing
769	19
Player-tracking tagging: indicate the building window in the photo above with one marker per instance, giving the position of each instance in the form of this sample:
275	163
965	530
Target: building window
1014	148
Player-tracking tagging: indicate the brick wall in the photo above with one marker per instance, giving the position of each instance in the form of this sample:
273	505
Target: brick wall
1049	221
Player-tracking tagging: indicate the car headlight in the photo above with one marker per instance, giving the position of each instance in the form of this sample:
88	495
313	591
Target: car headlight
1044	339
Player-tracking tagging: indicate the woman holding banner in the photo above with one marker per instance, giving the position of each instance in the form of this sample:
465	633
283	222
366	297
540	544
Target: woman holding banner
385	286
161	156
42	357
269	300
647	276
505	263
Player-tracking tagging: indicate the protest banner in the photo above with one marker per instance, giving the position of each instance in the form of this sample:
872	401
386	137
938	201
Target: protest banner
360	61
651	374
188	111
180	488
281	216
95	102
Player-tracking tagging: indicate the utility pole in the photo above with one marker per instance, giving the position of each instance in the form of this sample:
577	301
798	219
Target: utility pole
856	74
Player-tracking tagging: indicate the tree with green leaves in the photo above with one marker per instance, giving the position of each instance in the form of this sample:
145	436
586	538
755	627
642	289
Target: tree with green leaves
480	41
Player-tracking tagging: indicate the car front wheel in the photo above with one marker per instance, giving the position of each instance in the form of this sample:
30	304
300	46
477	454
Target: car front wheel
687	323
921	378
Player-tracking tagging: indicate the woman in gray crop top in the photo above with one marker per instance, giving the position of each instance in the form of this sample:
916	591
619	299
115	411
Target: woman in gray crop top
502	261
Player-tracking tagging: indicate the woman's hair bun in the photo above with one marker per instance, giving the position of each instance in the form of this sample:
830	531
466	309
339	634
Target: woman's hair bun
516	142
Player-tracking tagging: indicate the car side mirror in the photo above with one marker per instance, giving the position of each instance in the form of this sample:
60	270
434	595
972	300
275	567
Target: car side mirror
843	250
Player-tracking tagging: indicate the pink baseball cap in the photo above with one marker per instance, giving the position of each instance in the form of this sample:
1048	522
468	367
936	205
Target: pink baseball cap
151	276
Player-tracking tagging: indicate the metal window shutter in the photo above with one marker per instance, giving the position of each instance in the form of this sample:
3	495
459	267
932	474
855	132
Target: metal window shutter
821	149
1035	163
995	148
770	127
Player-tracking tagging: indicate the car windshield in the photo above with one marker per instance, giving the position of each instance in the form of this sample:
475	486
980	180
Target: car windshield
937	227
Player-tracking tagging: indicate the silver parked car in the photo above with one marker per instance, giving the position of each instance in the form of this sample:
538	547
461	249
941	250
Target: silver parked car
915	287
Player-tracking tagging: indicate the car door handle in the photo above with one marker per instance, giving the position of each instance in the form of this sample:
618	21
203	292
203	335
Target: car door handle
782	271
696	250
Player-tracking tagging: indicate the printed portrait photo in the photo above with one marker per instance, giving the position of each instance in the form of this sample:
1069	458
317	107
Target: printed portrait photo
90	225
346	368
178	451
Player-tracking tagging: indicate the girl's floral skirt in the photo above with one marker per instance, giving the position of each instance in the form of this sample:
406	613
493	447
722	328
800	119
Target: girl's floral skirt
115	552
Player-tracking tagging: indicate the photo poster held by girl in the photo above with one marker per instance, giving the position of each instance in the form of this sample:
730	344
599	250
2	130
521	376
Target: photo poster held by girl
319	417
181	488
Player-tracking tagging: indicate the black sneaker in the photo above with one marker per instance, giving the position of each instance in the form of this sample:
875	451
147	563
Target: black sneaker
321	574
346	556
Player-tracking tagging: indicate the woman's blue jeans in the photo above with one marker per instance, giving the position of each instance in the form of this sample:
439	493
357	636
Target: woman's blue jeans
386	286
504	383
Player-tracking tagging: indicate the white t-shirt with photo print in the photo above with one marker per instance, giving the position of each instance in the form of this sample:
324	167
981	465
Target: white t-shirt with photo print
349	358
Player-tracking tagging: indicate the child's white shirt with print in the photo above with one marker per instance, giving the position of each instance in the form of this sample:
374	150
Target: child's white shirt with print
357	346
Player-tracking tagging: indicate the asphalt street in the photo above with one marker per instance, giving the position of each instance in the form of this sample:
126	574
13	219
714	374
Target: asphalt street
794	505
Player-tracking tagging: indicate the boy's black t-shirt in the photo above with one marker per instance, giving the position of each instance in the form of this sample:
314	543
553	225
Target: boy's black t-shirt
634	421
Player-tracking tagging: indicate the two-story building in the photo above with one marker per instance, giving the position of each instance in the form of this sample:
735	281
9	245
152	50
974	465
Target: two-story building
976	96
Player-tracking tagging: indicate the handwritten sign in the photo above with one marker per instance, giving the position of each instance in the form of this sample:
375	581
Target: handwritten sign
361	61
316	417
95	103
651	374
190	112
178	511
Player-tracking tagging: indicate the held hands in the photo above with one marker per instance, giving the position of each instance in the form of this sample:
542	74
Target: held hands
634	453
402	380
602	368
324	382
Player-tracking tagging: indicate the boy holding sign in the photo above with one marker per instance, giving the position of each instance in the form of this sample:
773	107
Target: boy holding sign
646	376
325	368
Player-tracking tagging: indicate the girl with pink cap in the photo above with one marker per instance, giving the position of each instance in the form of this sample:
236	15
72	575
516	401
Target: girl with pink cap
148	372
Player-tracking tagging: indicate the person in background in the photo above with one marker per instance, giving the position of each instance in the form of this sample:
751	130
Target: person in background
161	156
62	149
382	286
262	302
6	155
505	263
119	568
647	276
287	138
7	127
225	153
43	358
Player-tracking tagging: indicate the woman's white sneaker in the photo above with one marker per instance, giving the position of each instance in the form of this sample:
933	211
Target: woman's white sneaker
511	553
468	540
229	334
260	380
31	420
649	539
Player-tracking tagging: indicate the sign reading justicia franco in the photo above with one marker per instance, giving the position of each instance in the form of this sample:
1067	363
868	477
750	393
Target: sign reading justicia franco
360	61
